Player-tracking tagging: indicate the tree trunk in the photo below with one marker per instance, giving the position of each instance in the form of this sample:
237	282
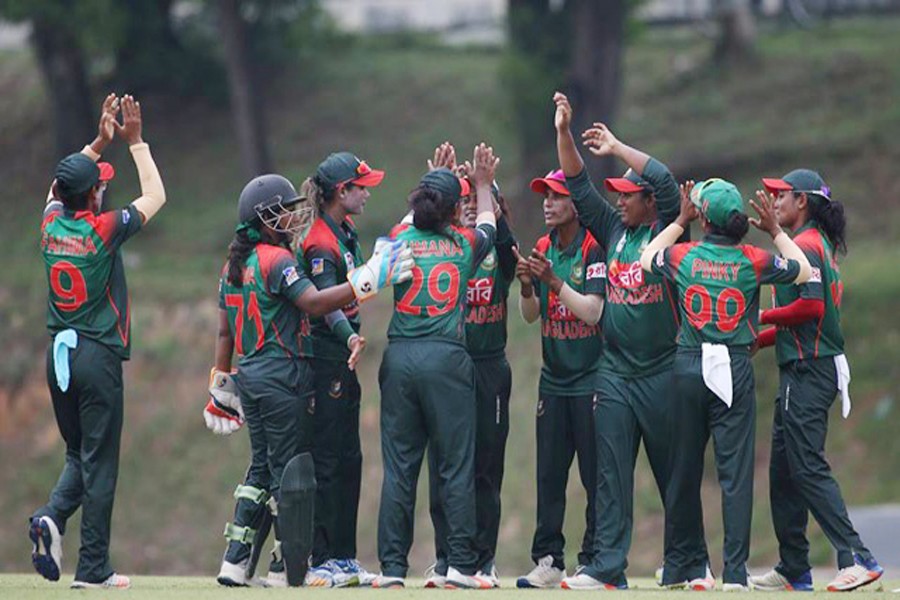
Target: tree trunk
595	71
246	103
737	31
63	68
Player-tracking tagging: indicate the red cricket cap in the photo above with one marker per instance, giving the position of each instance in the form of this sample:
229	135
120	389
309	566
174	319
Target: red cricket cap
466	187
554	180
776	185
629	183
107	172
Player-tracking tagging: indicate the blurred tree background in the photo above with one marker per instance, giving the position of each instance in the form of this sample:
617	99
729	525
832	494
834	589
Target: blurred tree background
232	88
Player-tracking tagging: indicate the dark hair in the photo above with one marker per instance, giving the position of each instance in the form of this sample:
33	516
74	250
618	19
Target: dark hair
322	193
74	201
504	206
432	210
831	218
737	227
238	251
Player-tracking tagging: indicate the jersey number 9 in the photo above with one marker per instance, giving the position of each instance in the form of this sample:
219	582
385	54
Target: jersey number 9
70	293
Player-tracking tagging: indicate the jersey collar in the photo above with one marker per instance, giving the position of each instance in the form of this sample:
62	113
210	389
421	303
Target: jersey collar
343	232
573	247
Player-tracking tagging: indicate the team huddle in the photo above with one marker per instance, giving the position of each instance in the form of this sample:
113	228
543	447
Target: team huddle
646	336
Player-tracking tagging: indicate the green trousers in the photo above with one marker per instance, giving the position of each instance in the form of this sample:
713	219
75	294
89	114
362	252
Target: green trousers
338	459
696	414
89	416
628	410
800	479
493	385
564	428
427	400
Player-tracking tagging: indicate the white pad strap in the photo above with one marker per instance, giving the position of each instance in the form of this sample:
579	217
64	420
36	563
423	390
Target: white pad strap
248	492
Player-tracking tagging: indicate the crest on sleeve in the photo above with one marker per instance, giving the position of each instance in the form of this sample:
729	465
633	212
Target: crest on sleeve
317	266
126	216
290	276
661	259
816	275
348	260
781	263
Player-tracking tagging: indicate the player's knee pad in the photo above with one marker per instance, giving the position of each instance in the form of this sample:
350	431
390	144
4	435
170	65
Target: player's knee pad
249	514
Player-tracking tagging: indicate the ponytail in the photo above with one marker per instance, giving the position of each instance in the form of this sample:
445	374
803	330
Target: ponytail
431	210
737	227
238	251
831	218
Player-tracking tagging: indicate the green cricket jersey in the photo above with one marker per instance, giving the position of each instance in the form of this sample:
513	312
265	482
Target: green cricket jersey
571	348
718	288
329	252
813	339
261	313
433	303
83	259
640	319
486	297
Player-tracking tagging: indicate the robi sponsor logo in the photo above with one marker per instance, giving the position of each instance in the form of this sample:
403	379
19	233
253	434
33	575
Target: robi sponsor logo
557	311
480	292
625	275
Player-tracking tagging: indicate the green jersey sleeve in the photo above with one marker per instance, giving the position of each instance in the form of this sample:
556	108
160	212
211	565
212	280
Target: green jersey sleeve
770	268
504	245
812	289
286	278
485	234
594	211
668	198
322	267
594	269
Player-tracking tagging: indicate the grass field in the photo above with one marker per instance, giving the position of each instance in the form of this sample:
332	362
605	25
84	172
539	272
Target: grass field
32	587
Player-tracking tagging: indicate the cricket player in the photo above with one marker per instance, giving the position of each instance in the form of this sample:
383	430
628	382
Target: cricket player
89	318
562	282
809	346
718	281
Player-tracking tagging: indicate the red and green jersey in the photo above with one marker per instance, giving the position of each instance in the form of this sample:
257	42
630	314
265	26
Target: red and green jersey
822	337
486	297
83	260
640	318
433	303
329	251
571	348
262	315
718	288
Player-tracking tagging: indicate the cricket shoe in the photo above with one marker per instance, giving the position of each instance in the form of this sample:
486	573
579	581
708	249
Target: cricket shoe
385	582
583	581
671	586
276	579
491	575
543	575
46	553
322	576
457	580
113	582
863	572
735	587
233	574
433	579
365	577
345	572
707	583
773	581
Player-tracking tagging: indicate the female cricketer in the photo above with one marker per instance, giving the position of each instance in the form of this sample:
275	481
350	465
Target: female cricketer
263	295
89	322
809	346
718	281
639	326
329	251
486	314
427	378
563	281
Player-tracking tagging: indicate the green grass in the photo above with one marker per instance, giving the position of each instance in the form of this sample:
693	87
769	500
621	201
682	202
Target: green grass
391	104
28	587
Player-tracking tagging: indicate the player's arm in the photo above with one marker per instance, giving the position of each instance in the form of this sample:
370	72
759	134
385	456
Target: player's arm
323	273
223	412
224	343
668	236
810	306
153	193
594	212
484	167
587	307
766	221
504	244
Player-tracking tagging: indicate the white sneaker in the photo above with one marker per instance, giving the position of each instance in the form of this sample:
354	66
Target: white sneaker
583	581
863	572
735	587
679	585
233	575
386	582
491	576
46	553
344	572
433	579
365	577
543	575
321	576
773	581
707	583
276	579
113	582
456	580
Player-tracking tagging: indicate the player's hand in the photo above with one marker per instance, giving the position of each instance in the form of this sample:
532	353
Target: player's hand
223	413
563	118
484	165
765	208
106	127
600	140
542	269
444	156
689	210
523	271
357	344
132	122
391	263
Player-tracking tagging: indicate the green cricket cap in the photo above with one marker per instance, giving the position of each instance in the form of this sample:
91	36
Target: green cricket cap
717	200
341	168
799	180
76	174
444	181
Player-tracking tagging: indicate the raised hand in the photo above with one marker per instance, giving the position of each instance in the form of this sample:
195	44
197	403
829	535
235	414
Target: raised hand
484	165
391	263
132	123
689	210
765	208
563	118
444	156
542	270
106	126
357	345
600	140
523	271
